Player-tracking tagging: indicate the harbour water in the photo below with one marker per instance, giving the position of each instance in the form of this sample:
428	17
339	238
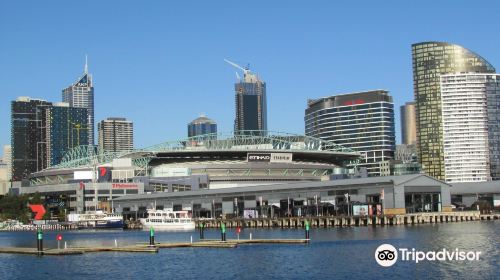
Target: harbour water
332	253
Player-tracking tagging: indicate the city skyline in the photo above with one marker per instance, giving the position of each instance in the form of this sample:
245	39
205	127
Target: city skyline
304	57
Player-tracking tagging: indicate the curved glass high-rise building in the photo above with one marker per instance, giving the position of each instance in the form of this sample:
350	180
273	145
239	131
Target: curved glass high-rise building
430	61
362	121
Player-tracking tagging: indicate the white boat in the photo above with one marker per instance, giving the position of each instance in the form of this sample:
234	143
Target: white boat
168	220
97	220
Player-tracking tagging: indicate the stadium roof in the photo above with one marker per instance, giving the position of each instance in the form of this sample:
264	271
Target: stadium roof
247	140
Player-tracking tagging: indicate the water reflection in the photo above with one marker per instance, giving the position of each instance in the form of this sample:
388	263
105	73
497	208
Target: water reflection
333	253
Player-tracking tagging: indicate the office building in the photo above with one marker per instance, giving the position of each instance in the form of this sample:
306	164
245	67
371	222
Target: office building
201	126
66	128
404	162
81	95
362	121
471	126
28	136
116	135
250	101
408	124
430	61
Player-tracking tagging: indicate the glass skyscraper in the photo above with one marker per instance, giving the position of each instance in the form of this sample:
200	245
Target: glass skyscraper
430	61
28	136
362	121
201	125
81	95
66	129
250	101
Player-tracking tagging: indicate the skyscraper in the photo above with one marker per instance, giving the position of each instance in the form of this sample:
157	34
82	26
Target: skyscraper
471	126
430	61
116	135
201	125
81	95
28	136
250	101
66	129
408	124
363	121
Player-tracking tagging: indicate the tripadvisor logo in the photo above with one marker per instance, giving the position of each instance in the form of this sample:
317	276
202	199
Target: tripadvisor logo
387	255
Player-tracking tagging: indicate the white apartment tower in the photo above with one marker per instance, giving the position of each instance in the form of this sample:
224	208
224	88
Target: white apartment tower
471	126
116	135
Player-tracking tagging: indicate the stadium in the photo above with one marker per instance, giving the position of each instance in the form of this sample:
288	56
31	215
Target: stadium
212	161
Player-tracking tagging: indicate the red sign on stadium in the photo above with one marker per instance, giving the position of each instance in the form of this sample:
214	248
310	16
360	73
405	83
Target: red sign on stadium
124	186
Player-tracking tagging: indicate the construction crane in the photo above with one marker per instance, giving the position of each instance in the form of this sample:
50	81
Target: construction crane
247	75
245	70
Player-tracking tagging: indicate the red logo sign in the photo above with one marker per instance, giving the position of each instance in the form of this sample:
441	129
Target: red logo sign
354	102
102	171
59	237
124	186
238	230
38	209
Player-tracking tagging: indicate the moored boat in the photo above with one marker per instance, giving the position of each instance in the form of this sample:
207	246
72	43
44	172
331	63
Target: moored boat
168	220
97	220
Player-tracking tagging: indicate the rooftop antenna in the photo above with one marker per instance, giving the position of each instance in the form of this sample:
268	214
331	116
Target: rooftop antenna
86	70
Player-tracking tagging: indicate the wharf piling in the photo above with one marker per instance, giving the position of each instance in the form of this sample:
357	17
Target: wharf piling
350	221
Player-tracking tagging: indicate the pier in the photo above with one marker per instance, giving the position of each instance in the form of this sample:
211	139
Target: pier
349	221
145	248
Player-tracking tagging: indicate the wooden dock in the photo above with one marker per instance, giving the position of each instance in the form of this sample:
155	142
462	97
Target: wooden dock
145	248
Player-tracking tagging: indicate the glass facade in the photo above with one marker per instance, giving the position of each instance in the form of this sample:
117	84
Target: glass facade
201	126
66	129
81	95
362	121
431	60
251	108
28	137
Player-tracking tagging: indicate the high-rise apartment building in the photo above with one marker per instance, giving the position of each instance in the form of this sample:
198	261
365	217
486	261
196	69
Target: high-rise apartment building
5	176
81	95
250	102
430	61
408	124
116	135
363	121
7	160
28	136
66	129
201	126
471	126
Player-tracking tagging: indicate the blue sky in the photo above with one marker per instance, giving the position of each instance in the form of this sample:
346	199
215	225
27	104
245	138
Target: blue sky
160	63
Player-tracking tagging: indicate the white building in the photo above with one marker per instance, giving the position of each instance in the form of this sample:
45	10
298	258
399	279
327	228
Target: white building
5	170
471	127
